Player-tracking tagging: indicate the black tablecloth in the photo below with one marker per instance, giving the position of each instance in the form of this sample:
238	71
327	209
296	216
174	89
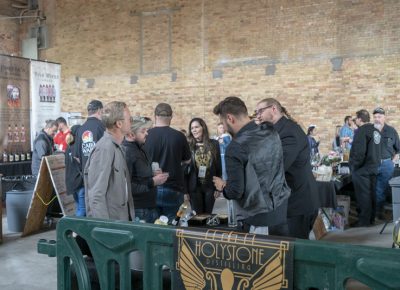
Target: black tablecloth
16	168
328	189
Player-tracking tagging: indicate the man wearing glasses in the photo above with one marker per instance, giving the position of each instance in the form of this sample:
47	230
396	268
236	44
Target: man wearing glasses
254	165
303	201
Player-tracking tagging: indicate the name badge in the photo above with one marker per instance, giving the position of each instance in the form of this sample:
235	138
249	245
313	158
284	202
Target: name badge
202	171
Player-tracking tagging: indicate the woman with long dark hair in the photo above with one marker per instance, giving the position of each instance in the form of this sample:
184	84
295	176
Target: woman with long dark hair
313	140
206	163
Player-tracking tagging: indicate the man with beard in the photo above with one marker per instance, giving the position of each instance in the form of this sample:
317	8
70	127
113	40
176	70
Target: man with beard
303	201
390	154
255	170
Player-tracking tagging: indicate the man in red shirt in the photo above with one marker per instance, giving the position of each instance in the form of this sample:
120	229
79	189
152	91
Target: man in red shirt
63	131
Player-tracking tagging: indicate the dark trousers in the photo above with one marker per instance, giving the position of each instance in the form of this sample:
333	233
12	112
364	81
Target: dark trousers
364	189
202	200
301	225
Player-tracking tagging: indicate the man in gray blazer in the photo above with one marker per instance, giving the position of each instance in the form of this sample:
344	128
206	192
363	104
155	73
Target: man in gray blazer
107	181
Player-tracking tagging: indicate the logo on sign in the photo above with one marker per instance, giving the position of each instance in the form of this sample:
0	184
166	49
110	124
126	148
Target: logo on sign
227	260
377	137
87	142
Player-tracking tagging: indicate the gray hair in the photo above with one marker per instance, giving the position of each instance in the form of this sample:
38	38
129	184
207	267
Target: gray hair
139	122
112	113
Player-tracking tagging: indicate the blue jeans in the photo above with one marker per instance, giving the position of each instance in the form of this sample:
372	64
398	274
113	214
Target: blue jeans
224	175
385	173
149	215
80	207
168	201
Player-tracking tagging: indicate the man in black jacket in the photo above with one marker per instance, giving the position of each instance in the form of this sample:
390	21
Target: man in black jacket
390	155
86	137
365	158
304	200
144	184
43	145
254	165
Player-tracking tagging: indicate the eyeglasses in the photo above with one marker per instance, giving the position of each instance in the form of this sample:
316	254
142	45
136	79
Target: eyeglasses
261	110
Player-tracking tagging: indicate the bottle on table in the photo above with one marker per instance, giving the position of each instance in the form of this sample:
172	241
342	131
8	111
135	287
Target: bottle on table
232	221
5	156
179	214
11	157
22	157
16	156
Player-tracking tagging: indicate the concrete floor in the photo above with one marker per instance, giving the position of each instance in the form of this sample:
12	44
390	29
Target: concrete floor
21	267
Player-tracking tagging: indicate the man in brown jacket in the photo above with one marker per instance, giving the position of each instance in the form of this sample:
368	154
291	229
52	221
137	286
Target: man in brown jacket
107	181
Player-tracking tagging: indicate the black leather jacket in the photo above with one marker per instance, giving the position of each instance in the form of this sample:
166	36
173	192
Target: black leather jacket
256	175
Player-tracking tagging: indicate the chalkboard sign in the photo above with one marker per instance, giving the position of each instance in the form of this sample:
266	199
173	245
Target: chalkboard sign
51	176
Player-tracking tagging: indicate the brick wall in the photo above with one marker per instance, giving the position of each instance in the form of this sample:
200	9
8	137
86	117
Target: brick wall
322	59
9	43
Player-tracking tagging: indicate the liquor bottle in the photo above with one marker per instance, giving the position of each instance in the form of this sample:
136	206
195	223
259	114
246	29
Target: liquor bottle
179	214
5	156
16	134
23	156
187	215
28	155
23	134
9	134
232	221
16	156
11	157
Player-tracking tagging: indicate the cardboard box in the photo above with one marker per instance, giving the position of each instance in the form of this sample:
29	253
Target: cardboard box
319	228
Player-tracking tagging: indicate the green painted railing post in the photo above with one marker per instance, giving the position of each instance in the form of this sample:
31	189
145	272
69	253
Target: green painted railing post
317	264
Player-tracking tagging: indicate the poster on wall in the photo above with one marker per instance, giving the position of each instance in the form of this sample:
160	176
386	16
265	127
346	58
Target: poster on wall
14	108
45	94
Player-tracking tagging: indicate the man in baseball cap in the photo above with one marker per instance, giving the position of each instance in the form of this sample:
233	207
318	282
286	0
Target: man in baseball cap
86	137
390	155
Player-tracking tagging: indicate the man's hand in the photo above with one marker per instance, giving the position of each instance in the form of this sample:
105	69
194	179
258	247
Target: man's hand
160	178
217	194
219	183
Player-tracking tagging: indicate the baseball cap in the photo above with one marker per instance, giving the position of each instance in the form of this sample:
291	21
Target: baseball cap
163	109
94	105
379	110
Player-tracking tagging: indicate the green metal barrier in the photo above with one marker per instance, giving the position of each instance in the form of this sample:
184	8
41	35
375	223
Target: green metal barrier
317	265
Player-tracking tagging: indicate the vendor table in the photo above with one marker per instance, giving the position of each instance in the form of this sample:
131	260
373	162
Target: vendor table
16	168
329	189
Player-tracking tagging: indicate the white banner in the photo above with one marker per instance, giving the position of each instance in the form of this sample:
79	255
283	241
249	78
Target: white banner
45	94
